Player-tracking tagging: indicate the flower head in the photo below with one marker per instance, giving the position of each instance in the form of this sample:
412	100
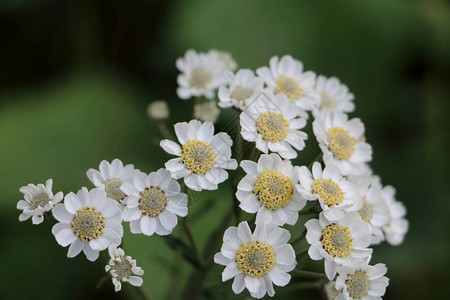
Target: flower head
256	260
362	281
122	268
202	157
153	203
158	110
89	221
286	77
339	243
342	142
272	122
334	96
225	58
397	227
206	111
202	74
110	178
243	85
38	200
335	194
268	189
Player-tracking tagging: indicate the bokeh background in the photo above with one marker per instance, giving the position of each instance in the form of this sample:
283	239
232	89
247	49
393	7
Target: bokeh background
76	78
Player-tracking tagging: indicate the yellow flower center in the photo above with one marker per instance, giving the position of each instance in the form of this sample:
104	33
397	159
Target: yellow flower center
272	126
122	268
241	93
337	241
358	284
198	156
327	101
288	86
200	78
255	259
112	189
40	199
88	224
153	202
273	189
341	143
366	211
328	190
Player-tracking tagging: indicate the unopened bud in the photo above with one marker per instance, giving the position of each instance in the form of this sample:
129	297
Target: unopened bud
158	110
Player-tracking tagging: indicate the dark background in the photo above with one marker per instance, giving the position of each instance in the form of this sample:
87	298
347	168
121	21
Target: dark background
76	78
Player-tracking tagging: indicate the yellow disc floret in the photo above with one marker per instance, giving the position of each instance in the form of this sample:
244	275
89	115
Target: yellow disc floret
153	201
337	241
358	284
112	189
272	126
328	190
88	224
255	259
366	211
200	78
198	156
273	189
341	143
288	86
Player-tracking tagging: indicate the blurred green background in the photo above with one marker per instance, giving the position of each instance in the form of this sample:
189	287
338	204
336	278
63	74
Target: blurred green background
76	78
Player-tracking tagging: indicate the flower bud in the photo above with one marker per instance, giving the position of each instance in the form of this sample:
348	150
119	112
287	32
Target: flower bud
158	110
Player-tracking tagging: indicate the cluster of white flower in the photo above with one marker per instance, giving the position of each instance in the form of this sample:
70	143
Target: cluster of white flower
353	210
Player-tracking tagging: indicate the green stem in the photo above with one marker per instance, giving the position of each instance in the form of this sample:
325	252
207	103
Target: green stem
142	293
309	274
318	158
303	286
164	130
300	253
191	239
297	240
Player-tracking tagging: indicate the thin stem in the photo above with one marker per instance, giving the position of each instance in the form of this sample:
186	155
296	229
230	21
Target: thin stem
300	253
142	293
318	158
191	239
303	286
309	274
164	130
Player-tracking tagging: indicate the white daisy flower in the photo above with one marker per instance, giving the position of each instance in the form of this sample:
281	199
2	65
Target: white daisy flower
362	281
201	74
286	77
258	260
122	268
38	201
397	227
154	202
89	221
203	155
272	122
110	178
374	210
158	110
342	142
243	85
339	243
335	194
207	111
268	190
225	58
334	96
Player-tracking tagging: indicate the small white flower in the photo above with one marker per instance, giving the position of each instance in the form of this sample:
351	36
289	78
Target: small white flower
201	74
258	260
203	155
397	226
122	268
374	210
207	111
158	110
335	194
153	203
340	243
342	142
110	178
268	190
242	86
362	281
286	77
334	96
225	58
39	200
272	122
89	221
